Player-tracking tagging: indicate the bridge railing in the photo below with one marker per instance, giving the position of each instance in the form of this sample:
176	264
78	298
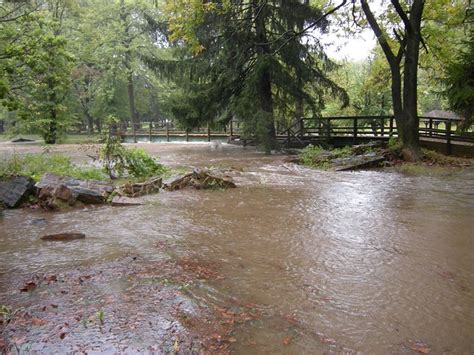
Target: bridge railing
375	126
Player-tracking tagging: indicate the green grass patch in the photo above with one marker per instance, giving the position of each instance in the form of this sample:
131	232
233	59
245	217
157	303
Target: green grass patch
318	157
80	139
36	165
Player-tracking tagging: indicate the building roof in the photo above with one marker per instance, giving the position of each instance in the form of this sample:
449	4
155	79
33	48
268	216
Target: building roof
442	114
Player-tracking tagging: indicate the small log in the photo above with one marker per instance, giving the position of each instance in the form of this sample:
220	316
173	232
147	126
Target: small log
63	236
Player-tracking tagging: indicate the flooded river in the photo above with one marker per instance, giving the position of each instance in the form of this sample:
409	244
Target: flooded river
371	262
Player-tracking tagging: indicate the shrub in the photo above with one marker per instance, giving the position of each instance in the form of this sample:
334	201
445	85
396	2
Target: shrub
119	161
140	164
309	153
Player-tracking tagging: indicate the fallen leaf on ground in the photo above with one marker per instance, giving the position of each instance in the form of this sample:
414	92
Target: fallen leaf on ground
329	341
30	285
287	341
50	278
419	347
38	321
232	340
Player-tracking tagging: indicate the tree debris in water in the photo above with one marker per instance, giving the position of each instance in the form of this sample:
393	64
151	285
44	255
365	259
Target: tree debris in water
199	179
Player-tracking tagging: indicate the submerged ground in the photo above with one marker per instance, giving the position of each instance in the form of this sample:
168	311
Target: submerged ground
292	261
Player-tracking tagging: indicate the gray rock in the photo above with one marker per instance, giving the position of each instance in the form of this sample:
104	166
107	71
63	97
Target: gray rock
39	222
357	162
68	189
89	196
63	236
15	189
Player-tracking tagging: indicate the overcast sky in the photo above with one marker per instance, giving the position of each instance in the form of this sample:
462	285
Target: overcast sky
354	49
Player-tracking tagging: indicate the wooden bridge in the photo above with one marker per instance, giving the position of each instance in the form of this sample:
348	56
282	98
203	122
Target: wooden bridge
441	134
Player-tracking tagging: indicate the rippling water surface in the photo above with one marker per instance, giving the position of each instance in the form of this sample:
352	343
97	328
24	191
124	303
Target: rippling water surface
366	260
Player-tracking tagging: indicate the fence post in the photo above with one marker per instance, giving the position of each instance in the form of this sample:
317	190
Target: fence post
431	126
390	129
382	129
301	128
167	131
208	132
187	135
231	130
150	126
448	138
328	130
355	130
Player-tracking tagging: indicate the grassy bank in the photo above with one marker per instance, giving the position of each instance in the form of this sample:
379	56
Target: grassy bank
432	162
36	165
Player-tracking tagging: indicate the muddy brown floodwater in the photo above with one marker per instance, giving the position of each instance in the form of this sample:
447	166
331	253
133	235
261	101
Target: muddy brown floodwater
292	261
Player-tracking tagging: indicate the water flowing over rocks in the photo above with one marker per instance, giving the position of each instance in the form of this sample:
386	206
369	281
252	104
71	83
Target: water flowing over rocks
14	190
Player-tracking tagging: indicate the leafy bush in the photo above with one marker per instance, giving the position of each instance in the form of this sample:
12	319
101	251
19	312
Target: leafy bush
36	165
140	164
309	153
119	161
394	144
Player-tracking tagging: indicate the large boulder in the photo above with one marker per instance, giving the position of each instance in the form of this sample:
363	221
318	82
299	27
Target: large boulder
69	190
15	189
358	162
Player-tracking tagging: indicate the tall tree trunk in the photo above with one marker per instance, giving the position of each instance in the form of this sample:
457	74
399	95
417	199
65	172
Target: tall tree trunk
128	66
90	122
98	125
51	133
299	101
264	84
411	139
404	97
131	102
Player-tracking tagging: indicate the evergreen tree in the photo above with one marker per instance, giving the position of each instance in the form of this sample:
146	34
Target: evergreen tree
247	61
459	79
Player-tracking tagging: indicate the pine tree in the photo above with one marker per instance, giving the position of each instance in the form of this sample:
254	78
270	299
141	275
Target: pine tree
248	62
